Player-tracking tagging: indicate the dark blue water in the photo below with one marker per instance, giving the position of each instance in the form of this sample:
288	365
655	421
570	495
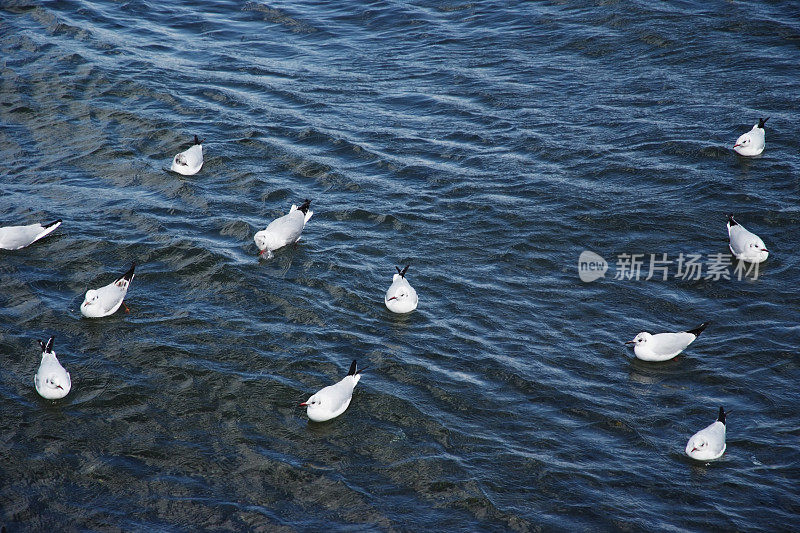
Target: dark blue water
485	143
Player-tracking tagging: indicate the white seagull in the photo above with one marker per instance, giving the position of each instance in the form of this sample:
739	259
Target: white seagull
284	230
51	380
708	443
401	296
752	142
664	346
189	161
745	245
333	400
16	237
106	300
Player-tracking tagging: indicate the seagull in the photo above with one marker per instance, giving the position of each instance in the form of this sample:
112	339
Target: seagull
708	443
189	161
664	346
106	300
16	237
745	245
51	380
401	296
333	400
752	142
284	230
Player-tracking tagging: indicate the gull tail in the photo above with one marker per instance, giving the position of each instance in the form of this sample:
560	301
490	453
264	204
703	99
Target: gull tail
128	276
731	221
761	122
304	209
402	272
699	329
47	229
198	141
47	348
354	370
721	417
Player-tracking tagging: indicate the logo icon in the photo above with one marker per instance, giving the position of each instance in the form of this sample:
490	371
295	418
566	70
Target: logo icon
591	266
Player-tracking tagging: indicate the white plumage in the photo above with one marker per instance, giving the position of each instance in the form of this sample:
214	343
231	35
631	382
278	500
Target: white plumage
52	382
106	300
16	237
709	442
752	143
745	245
189	161
332	400
663	346
284	230
401	296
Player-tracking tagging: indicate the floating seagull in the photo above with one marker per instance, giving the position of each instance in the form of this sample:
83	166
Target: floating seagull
664	346
745	245
106	300
51	380
16	237
189	161
708	443
284	230
401	296
333	400
752	142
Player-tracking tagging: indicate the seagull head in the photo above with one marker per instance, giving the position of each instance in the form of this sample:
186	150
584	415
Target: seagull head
260	240
743	140
55	386
696	444
639	339
400	294
312	404
756	250
266	242
91	297
54	382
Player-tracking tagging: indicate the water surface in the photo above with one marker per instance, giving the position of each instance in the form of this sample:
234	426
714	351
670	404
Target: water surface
487	144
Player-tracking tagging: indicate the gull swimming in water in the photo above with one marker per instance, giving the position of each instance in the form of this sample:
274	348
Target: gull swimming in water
106	300
51	380
284	230
401	296
664	346
16	237
189	161
333	400
708	443
745	245
752	143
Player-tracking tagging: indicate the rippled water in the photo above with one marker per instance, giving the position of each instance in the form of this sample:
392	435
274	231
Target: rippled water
485	143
